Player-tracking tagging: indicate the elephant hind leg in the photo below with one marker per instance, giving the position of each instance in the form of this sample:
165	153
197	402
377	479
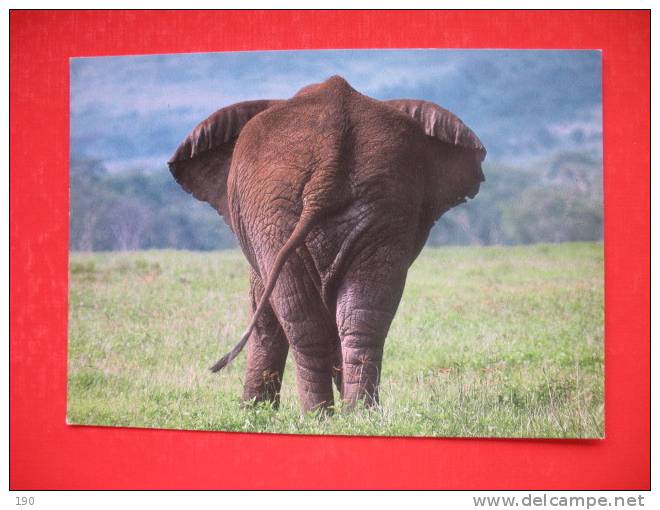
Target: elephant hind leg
365	309
312	335
363	337
267	352
337	368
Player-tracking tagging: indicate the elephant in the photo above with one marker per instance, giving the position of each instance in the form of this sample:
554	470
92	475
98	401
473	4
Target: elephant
331	195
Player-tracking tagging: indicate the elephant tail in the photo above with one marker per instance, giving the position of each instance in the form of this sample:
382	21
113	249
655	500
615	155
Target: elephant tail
302	228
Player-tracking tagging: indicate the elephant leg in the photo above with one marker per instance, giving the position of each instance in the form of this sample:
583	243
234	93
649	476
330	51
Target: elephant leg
366	304
312	335
267	352
337	367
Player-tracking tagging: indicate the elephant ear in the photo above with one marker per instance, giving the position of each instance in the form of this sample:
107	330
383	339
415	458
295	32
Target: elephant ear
441	124
201	163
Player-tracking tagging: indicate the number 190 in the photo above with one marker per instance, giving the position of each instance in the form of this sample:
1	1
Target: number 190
23	500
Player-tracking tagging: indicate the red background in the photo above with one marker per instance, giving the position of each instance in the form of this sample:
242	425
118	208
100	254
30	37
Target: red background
45	453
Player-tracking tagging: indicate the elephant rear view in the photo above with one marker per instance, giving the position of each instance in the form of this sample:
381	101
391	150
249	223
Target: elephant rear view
331	195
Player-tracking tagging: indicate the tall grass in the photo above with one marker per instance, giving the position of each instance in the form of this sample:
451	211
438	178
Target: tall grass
498	341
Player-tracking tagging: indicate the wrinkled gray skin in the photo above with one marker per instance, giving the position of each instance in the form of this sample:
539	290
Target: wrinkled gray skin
331	195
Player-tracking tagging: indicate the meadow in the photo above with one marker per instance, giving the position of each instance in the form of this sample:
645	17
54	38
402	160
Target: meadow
488	341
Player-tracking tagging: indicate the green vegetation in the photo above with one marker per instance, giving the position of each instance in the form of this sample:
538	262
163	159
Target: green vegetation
499	341
558	199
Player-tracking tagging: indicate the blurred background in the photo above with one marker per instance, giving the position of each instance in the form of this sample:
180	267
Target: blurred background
538	113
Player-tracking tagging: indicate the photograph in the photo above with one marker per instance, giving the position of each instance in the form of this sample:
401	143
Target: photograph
382	242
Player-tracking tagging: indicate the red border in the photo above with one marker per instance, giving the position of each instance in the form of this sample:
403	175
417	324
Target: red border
48	454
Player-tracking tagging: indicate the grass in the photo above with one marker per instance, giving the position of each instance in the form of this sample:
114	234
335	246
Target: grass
497	341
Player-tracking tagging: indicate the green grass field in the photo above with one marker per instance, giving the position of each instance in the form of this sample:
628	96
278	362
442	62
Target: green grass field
497	341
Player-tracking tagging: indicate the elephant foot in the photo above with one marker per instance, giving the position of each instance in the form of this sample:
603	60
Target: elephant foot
314	379
360	386
321	410
316	397
265	389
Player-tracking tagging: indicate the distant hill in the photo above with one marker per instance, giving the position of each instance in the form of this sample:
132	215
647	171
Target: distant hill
555	199
133	111
138	210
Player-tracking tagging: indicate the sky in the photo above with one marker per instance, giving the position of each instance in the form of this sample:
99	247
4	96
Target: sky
131	112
